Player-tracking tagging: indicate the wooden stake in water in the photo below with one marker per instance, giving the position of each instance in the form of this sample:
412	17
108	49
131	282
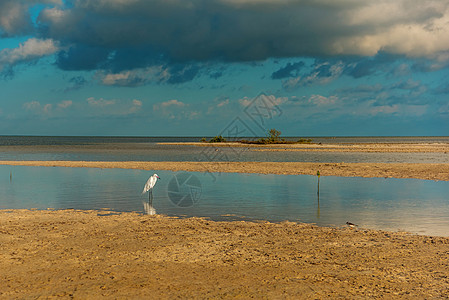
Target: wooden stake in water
318	194
10	176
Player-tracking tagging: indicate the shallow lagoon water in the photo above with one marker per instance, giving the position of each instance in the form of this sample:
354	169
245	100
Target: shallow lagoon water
149	149
413	205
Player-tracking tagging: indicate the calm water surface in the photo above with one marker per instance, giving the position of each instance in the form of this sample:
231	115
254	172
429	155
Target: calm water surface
412	205
148	149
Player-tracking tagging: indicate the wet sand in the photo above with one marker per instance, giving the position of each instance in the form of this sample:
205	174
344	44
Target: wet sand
387	170
91	255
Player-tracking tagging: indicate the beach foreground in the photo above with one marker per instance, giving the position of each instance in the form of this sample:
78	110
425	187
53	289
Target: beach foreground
92	254
386	170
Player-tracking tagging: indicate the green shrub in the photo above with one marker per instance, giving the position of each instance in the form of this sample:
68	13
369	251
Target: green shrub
304	141
274	136
218	139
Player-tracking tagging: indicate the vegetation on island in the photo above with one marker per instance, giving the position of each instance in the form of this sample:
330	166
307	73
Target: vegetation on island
273	137
218	139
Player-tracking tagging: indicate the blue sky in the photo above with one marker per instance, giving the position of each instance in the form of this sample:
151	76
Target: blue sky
191	67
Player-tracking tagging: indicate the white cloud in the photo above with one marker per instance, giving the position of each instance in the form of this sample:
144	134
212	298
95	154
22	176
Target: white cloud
174	109
136	106
223	103
29	50
136	77
65	104
32	105
172	102
112	107
100	102
15	16
43	110
322	101
267	101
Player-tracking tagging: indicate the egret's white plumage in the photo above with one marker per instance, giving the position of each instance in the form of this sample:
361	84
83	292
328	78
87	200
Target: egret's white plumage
150	183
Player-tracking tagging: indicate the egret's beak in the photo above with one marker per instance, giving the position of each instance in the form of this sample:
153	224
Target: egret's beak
158	177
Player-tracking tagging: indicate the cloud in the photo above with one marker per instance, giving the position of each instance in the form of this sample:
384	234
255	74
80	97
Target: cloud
115	35
81	57
399	109
173	102
47	110
136	106
112	107
223	103
174	74
289	70
65	104
263	105
30	50
385	109
322	101
77	83
15	17
100	102
322	73
175	110
44	111
33	105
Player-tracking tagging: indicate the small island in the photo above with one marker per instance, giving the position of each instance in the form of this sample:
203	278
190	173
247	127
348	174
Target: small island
273	137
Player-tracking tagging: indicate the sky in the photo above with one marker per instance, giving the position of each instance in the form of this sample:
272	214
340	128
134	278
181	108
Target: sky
209	67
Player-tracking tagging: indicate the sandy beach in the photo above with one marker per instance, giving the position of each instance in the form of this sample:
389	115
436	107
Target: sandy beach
92	254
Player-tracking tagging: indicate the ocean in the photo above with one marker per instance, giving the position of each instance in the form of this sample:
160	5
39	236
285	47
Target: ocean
88	148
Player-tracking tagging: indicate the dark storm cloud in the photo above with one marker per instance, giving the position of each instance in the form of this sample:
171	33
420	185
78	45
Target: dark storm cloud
361	67
240	30
82	57
115	36
289	70
182	73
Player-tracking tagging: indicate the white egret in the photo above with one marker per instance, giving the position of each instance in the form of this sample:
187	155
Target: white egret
151	182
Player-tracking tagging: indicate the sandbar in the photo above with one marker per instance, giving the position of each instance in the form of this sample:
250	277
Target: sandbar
99	254
385	170
328	147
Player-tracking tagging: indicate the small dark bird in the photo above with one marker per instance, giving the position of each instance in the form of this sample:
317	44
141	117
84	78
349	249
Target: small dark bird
351	224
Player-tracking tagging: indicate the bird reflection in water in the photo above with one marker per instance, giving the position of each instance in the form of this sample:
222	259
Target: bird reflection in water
148	207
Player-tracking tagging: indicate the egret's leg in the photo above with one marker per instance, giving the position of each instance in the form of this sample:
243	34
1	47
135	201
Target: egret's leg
150	197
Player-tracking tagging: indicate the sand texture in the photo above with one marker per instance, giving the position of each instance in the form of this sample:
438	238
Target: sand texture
359	147
387	170
91	255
